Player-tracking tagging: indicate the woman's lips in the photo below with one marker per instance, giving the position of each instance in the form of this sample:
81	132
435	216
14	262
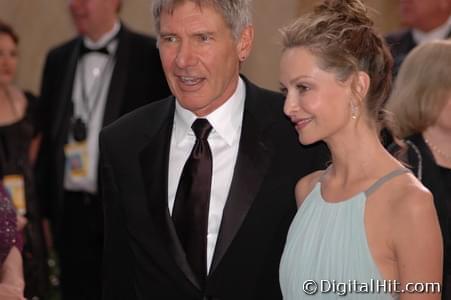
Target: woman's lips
301	123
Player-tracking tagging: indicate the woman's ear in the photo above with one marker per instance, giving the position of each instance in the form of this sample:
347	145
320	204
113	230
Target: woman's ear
361	85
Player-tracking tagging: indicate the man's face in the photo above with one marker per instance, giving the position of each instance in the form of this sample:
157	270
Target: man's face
424	15
200	56
92	18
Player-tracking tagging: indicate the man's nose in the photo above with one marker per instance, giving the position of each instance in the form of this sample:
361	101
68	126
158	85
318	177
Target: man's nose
186	56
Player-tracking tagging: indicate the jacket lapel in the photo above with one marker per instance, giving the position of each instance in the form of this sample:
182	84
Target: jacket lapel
154	162
116	95
65	105
253	161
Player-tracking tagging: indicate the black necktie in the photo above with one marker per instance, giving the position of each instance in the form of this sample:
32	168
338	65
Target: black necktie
85	50
192	200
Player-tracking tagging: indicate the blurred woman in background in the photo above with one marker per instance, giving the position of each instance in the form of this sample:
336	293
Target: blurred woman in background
19	141
419	116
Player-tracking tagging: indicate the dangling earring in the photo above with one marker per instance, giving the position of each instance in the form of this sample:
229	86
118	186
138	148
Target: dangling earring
354	111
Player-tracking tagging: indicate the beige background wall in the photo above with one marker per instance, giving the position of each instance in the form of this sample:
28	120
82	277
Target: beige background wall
269	15
42	24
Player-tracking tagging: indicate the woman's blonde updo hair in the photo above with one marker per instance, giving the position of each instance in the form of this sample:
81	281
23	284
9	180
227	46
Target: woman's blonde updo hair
342	37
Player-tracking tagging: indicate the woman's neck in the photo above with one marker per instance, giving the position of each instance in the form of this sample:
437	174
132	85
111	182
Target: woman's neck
12	104
438	140
358	155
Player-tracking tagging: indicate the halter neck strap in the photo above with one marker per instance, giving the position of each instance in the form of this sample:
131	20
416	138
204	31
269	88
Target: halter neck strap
384	179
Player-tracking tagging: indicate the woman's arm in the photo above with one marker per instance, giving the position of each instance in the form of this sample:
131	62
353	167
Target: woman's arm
11	277
34	148
418	244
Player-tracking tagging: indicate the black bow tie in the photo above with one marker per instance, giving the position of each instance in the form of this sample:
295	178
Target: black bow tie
85	50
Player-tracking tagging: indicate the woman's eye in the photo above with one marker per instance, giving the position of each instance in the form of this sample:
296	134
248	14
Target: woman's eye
283	90
302	88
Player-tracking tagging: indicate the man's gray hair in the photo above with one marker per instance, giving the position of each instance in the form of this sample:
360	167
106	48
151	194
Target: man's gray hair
237	13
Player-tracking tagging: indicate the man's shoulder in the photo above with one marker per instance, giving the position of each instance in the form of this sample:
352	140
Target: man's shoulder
137	38
397	36
142	119
266	108
263	99
64	48
256	90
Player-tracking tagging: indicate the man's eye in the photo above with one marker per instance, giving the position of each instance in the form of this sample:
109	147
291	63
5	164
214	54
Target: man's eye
204	37
169	39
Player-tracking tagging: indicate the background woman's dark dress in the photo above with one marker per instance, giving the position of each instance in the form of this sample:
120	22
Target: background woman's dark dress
438	180
15	142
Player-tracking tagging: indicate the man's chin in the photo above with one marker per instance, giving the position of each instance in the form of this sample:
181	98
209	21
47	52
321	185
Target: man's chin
80	28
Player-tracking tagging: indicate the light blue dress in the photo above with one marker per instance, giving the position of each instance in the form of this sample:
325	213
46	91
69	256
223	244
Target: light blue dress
327	250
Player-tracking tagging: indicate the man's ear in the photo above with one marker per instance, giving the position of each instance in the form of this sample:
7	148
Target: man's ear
445	4
116	5
245	41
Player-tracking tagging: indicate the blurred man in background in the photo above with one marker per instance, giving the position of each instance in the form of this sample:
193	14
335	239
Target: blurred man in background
88	82
425	21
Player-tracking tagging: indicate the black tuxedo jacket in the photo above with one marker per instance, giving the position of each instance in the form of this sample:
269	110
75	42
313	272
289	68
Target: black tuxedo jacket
137	79
401	43
143	257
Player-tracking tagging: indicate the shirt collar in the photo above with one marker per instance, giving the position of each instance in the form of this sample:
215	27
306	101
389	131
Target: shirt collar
226	120
438	33
107	39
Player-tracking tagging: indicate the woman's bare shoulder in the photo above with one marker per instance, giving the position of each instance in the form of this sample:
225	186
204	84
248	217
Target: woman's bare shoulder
412	204
305	185
416	233
410	195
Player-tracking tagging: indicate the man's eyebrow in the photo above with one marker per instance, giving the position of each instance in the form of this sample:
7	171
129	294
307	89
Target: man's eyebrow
164	33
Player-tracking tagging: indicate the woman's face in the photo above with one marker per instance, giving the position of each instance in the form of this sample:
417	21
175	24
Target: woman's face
316	102
8	59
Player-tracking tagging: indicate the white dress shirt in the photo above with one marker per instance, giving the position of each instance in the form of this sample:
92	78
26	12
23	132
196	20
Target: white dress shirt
224	141
95	69
439	33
